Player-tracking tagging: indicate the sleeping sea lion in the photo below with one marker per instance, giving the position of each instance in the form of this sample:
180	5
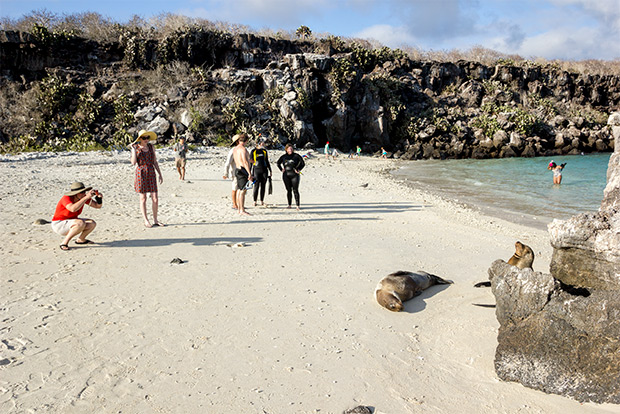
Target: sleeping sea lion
523	257
400	286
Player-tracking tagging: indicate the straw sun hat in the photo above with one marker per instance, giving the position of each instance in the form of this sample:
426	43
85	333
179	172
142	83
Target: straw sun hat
145	133
76	188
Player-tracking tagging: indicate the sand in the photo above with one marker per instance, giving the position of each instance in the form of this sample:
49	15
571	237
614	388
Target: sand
272	313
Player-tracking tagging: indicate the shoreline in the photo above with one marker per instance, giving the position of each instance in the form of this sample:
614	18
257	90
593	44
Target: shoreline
514	190
268	313
524	219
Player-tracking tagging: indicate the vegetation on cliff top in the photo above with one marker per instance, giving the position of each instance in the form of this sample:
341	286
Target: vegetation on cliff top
191	74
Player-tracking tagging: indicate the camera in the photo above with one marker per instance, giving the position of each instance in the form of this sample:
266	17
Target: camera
98	197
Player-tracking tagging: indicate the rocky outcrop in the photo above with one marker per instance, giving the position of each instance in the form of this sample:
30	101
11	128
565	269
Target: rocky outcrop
560	332
555	338
307	92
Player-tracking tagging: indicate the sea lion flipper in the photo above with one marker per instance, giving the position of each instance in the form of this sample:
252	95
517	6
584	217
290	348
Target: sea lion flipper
440	281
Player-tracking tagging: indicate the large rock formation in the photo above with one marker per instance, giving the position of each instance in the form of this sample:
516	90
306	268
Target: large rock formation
560	332
63	91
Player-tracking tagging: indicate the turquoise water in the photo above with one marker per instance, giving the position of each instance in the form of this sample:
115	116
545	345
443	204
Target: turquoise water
519	189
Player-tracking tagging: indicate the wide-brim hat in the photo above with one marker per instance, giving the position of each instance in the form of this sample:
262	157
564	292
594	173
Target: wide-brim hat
145	133
76	188
235	139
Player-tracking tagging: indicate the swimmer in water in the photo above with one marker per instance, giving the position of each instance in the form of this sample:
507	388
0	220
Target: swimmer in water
557	171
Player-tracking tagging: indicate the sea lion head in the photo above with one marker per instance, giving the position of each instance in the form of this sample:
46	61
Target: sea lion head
523	257
389	300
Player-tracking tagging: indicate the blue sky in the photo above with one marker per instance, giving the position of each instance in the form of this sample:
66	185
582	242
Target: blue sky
553	29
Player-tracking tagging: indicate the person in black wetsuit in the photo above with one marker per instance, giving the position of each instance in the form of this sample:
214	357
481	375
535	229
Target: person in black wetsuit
261	170
291	164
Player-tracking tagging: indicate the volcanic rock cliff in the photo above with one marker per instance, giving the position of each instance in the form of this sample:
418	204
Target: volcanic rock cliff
68	92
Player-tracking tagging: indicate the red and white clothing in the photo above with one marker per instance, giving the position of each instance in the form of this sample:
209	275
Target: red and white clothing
61	209
146	181
62	220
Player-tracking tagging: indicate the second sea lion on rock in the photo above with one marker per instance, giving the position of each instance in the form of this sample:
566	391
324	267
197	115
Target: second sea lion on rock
523	257
398	287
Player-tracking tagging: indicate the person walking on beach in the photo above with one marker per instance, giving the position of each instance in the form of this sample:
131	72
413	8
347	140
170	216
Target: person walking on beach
383	153
327	153
291	165
243	171
261	170
143	154
229	171
557	171
358	152
66	221
180	153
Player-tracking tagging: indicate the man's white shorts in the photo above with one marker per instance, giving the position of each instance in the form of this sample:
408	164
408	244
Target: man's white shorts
62	226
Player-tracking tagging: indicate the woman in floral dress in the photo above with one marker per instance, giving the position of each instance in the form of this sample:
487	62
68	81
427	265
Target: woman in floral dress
143	154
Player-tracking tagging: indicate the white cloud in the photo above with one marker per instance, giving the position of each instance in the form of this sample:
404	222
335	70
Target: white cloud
571	44
391	36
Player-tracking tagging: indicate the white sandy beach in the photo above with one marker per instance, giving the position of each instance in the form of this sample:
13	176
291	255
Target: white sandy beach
286	324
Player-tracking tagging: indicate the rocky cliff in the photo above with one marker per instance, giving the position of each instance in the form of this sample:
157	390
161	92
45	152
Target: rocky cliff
560	332
63	91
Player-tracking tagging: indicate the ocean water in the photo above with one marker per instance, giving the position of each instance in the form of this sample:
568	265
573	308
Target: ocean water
516	189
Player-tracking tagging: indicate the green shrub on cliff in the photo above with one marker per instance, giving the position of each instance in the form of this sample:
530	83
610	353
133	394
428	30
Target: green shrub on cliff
367	59
123	119
133	42
487	124
544	104
235	112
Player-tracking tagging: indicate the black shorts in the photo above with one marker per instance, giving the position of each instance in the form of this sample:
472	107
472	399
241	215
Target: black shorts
242	178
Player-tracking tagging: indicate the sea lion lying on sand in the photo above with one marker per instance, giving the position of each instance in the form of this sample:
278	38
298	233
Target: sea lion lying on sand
401	286
523	257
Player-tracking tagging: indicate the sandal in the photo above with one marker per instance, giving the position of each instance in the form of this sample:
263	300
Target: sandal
64	247
84	242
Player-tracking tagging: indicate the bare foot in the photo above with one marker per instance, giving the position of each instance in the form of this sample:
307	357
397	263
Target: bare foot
289	207
244	213
255	204
298	209
147	225
159	224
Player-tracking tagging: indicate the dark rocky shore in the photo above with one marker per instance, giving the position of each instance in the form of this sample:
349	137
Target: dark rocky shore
65	92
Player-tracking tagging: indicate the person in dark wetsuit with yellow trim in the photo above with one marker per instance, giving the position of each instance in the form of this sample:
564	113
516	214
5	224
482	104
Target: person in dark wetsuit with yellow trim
291	164
261	170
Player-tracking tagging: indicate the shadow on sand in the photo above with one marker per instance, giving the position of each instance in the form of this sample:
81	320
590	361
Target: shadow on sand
358	208
349	209
201	241
418	304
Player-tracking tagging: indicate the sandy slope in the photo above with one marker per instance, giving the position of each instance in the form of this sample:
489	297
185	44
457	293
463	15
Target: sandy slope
286	324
